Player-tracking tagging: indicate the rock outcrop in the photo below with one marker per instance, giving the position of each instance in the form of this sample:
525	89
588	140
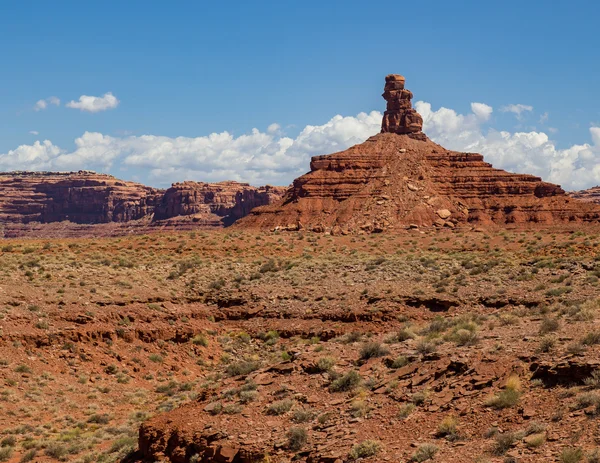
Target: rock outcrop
400	117
224	202
82	197
591	195
400	178
82	203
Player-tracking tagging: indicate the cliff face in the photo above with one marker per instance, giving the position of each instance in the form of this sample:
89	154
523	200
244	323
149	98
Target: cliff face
29	199
224	202
400	178
591	195
79	197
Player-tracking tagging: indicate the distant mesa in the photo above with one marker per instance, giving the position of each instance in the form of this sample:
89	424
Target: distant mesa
87	203
399	178
591	195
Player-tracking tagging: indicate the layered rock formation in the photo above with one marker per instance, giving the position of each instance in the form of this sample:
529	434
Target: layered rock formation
224	201
82	197
400	117
400	178
78	203
591	195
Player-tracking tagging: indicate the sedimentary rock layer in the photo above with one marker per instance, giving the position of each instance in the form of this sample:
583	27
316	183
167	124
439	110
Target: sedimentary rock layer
69	203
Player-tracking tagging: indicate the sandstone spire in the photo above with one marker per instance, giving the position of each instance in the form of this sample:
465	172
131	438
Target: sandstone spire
400	117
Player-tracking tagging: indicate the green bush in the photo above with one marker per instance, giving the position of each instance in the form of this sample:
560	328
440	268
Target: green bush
365	449
346	382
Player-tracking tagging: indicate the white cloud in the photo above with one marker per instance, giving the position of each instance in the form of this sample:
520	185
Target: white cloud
544	118
257	157
273	128
517	109
272	157
34	132
94	104
482	111
575	167
43	104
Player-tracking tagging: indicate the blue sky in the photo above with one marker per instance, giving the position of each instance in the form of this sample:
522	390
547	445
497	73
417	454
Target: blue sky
191	69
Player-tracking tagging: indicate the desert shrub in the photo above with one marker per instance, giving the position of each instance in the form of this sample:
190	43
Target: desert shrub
28	456
535	440
405	410
214	408
232	409
352	337
571	455
5	453
547	344
325	364
8	441
447	428
280	407
464	337
419	398
372	350
56	450
594	456
23	369
103	418
270	337
424	452
247	396
591	338
549	325
297	438
302	415
586	400
594	380
156	358
242	368
365	449
404	335
424	347
399	362
508	397
346	382
359	409
503	442
125	442
200	340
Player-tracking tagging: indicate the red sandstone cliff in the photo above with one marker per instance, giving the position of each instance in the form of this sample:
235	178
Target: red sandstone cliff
68	203
224	201
591	195
400	177
80	197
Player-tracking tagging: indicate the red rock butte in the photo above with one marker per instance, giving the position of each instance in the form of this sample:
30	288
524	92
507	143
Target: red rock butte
399	178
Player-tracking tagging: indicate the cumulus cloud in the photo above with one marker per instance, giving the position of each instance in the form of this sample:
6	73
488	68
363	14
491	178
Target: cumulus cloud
517	109
43	104
270	156
256	157
482	111
94	104
575	167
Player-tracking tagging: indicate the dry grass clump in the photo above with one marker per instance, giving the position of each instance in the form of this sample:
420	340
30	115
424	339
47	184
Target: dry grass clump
448	428
371	350
365	449
424	452
346	382
508	397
